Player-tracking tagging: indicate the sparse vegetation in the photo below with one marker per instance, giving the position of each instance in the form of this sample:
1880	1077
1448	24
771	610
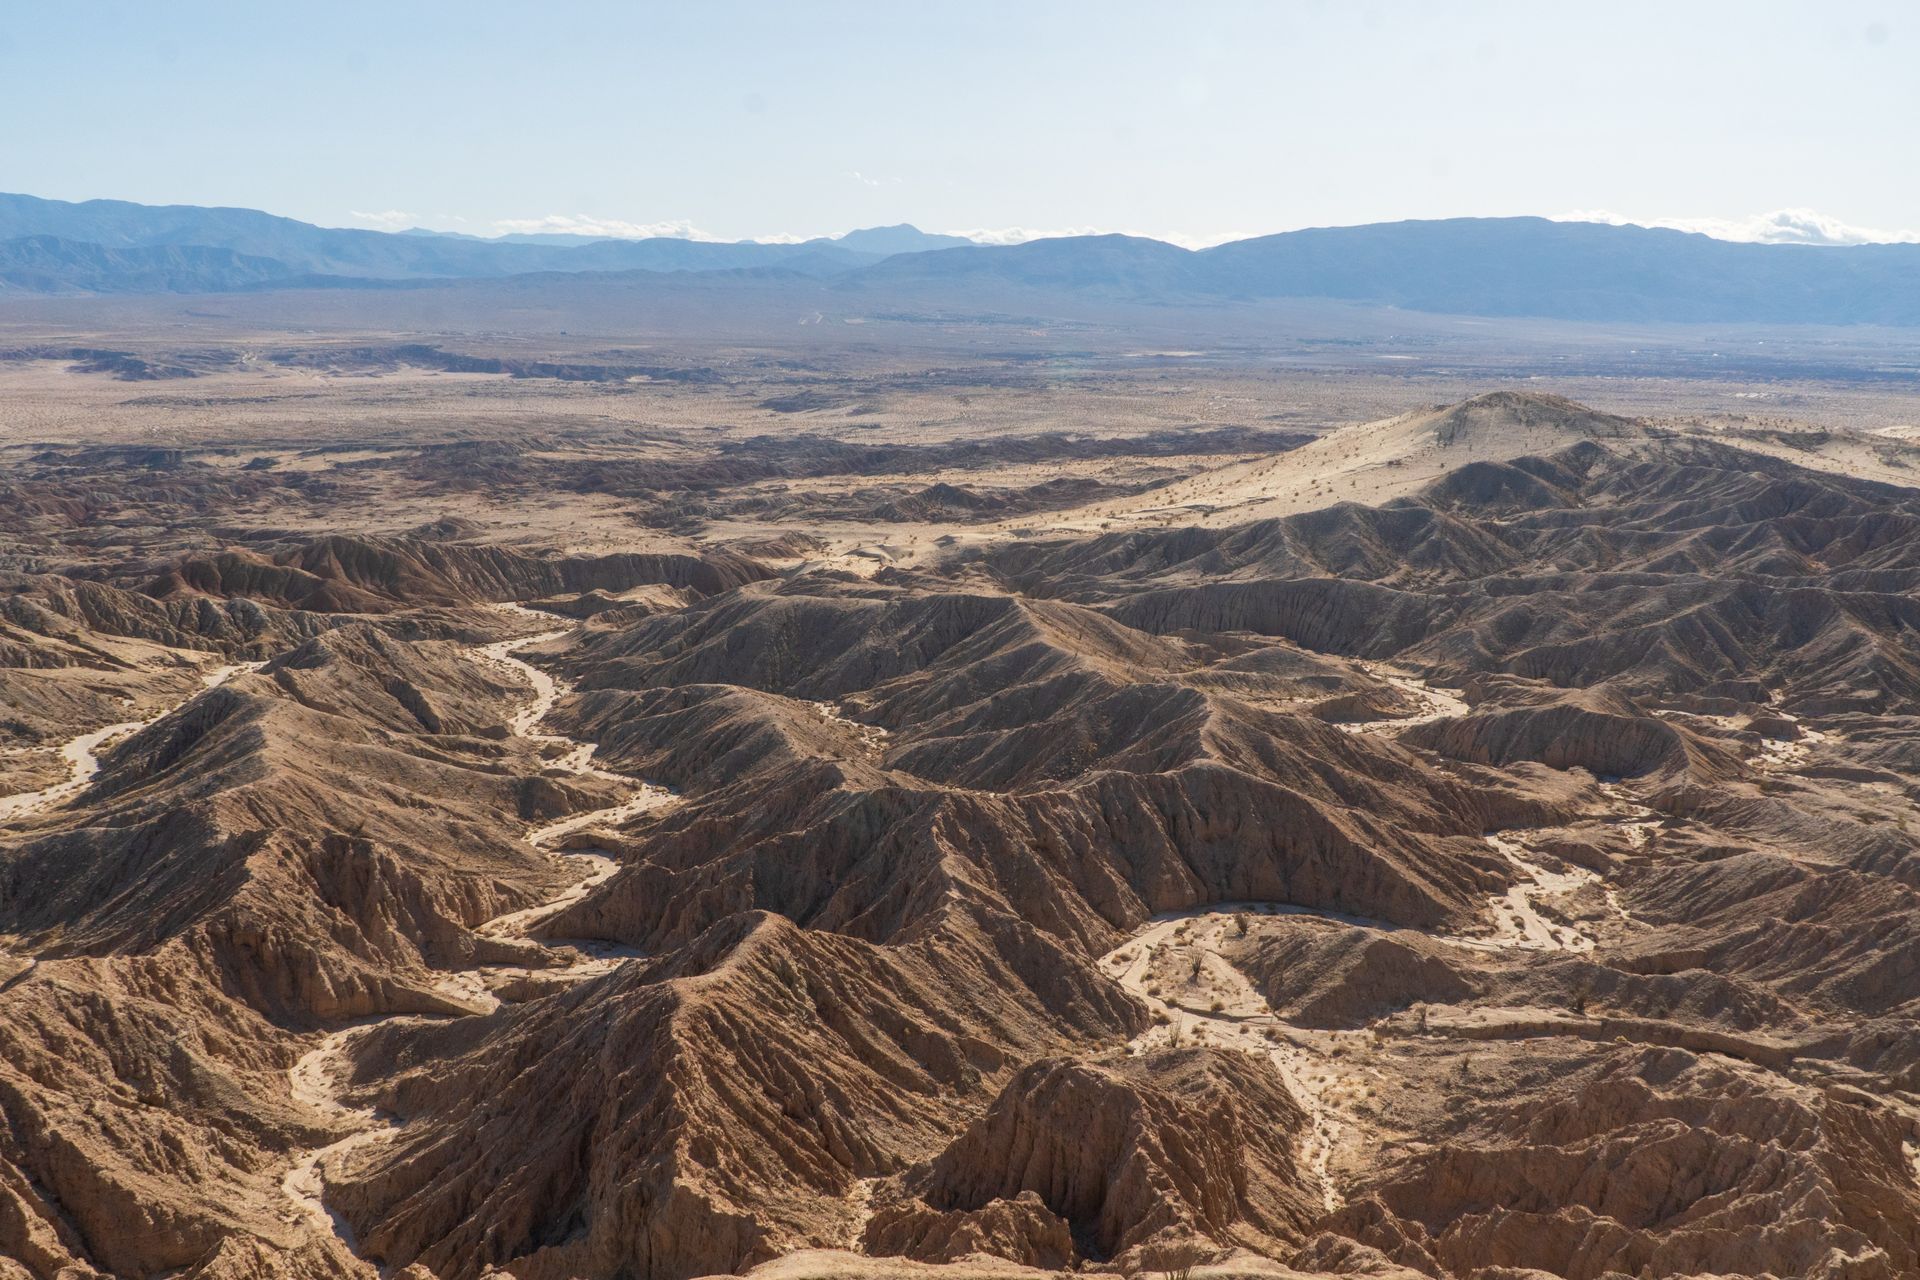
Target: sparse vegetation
1177	1259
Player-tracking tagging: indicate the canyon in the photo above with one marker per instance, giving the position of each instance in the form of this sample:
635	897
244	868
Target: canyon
1299	827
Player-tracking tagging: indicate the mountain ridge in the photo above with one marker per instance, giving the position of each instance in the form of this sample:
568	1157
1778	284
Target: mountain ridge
1509	267
306	249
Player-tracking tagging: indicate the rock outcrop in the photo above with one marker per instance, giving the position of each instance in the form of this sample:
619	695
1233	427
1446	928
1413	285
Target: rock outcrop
1122	1153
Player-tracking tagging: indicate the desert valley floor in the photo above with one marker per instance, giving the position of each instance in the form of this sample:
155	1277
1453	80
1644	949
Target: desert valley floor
639	815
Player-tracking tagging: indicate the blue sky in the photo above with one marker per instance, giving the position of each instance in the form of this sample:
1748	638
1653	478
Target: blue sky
1193	122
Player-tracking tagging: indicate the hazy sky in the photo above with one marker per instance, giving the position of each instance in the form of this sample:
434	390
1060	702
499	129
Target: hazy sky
1187	121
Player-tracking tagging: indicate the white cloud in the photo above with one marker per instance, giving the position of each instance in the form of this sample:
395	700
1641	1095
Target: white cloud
384	220
1186	241
1021	235
580	224
1782	226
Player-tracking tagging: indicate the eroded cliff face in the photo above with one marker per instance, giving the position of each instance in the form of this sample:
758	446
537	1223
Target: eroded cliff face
1512	880
1118	1153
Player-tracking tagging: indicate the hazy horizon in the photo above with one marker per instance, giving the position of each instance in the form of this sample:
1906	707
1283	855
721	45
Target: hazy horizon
1750	122
1782	226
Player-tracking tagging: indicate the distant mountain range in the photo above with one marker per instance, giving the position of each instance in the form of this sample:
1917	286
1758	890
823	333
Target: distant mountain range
880	241
304	250
1466	266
